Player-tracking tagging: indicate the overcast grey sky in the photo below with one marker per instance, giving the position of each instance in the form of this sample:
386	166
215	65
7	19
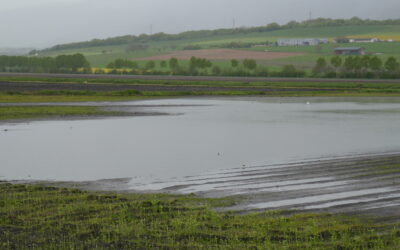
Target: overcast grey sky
42	23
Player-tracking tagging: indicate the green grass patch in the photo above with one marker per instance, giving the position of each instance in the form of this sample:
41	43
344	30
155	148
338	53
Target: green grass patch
390	169
28	112
281	89
39	217
300	84
61	98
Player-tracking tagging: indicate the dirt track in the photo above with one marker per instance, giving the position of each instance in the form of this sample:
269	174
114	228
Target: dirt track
196	78
32	86
223	54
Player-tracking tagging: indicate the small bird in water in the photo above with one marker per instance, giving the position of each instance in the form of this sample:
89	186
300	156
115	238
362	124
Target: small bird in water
308	103
5	130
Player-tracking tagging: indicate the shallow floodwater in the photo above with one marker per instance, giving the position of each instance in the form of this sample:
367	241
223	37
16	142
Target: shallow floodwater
201	136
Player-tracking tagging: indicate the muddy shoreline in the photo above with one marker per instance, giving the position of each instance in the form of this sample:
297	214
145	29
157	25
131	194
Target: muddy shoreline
113	108
351	185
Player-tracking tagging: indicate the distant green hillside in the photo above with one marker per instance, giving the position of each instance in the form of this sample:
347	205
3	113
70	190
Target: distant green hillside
158	44
202	34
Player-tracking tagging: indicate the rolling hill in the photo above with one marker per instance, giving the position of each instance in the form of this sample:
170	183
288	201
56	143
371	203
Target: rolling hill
164	44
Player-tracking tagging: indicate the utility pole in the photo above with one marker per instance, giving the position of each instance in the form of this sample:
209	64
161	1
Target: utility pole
310	16
233	23
151	29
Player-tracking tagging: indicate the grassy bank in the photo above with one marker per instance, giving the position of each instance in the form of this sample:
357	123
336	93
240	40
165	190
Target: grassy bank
36	97
40	98
31	112
295	84
38	217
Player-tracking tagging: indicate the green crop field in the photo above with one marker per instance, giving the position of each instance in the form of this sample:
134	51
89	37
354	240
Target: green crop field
40	217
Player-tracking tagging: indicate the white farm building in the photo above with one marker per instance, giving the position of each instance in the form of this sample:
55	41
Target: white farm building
301	41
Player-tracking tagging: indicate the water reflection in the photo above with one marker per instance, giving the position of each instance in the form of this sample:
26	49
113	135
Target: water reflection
214	134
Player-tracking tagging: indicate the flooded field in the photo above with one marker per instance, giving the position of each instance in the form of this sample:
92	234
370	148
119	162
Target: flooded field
303	153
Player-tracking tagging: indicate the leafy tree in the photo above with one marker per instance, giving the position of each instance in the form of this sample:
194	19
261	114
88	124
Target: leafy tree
250	64
121	64
375	63
173	64
163	64
321	66
216	70
150	65
349	63
199	63
336	61
60	64
234	63
273	26
288	70
391	64
365	62
263	71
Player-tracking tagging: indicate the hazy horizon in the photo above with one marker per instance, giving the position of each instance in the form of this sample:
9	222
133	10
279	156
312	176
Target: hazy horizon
45	23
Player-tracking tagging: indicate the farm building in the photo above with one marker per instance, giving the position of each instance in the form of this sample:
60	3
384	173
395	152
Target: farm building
301	41
349	51
363	40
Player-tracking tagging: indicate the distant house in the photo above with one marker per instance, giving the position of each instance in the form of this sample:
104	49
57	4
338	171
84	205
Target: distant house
301	41
363	40
349	51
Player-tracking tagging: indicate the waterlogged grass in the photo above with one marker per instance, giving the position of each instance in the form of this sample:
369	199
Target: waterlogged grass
60	98
29	112
391	170
38	217
297	84
280	89
37	98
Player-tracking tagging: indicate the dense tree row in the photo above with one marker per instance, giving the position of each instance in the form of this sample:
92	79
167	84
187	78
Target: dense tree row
121	64
141	40
59	64
199	66
357	66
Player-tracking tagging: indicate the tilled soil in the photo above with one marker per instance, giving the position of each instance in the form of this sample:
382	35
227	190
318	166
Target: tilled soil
34	86
223	54
196	78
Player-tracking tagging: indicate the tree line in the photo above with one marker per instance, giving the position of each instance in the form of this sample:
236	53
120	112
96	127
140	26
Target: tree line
357	67
61	64
144	38
199	66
